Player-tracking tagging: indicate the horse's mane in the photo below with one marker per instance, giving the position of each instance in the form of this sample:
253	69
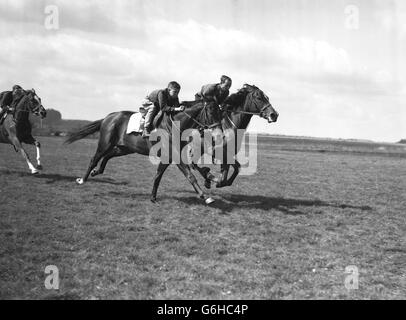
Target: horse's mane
237	99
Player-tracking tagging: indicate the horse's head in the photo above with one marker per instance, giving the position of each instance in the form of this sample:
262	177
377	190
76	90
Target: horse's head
258	103
35	104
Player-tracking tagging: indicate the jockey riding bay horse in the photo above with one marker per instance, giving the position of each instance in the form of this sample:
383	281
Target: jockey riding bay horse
115	142
16	129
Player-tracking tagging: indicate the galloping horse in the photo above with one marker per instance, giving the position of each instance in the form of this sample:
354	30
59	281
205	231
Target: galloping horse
114	142
241	107
16	129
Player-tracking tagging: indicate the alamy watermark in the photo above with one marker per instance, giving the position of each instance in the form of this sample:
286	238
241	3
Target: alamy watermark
52	279
351	281
351	17
51	21
192	146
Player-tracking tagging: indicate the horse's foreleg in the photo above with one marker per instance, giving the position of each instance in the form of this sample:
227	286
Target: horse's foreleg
157	179
237	167
224	174
206	174
192	179
38	147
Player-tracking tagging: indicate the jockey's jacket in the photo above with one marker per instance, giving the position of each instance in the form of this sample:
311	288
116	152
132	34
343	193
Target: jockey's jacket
161	99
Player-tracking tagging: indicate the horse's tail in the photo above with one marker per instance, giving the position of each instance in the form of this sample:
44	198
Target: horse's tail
84	132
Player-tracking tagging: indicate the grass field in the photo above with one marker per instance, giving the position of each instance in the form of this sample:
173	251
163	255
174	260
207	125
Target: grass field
287	232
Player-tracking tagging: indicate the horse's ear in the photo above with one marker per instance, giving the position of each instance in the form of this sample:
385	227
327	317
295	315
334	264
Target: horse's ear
33	91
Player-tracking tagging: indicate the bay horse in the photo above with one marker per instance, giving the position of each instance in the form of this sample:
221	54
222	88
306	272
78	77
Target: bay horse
237	116
115	142
16	129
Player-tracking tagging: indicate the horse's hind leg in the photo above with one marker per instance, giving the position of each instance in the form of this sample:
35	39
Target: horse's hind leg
116	152
100	153
105	145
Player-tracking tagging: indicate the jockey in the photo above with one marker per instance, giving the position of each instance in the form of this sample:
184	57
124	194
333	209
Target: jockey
217	92
9	100
213	96
165	100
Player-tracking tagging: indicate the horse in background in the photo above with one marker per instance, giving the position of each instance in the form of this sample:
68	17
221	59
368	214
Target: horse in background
16	128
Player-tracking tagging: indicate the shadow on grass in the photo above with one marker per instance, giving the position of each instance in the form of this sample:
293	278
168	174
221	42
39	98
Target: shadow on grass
52	178
229	202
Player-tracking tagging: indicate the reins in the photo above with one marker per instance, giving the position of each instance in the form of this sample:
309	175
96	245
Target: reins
201	125
249	112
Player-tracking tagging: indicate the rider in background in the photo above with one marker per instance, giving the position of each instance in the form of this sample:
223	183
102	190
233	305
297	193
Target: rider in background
8	101
165	100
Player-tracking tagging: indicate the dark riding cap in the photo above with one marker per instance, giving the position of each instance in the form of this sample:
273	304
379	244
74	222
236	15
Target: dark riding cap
224	79
174	85
17	87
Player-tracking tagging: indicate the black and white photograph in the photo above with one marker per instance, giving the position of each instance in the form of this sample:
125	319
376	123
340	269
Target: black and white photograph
202	150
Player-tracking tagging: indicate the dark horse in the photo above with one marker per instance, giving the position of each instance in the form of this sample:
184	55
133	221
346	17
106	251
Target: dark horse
16	129
237	116
114	141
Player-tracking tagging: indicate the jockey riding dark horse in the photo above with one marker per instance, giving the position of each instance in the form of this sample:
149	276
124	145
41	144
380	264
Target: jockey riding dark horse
161	100
8	101
213	96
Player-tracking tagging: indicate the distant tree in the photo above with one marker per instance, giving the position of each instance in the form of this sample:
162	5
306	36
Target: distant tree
53	117
402	141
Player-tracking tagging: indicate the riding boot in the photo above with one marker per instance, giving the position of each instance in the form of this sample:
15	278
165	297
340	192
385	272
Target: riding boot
146	133
151	111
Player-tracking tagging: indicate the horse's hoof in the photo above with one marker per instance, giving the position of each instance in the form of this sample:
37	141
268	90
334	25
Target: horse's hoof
93	173
153	199
209	200
207	184
39	167
80	181
34	172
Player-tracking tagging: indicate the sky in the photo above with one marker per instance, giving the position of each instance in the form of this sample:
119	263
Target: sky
331	68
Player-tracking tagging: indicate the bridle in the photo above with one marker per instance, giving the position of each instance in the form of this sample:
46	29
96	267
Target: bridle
249	112
259	113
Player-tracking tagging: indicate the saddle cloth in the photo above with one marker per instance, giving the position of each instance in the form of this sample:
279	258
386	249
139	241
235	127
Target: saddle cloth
136	123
